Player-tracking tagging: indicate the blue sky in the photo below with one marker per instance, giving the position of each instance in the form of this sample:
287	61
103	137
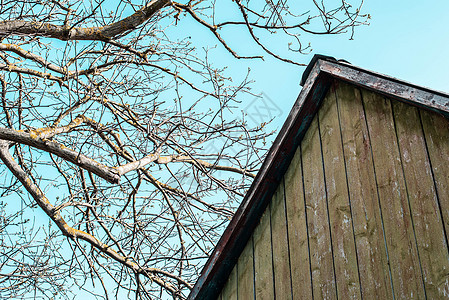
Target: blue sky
408	40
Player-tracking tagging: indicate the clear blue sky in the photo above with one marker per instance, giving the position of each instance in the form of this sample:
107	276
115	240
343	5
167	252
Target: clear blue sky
405	39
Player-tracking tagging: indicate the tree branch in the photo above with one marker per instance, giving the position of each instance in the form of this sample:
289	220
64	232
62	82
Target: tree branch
20	27
205	164
28	55
34	140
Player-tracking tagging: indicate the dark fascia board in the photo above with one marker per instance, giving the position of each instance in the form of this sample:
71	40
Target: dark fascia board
320	73
388	86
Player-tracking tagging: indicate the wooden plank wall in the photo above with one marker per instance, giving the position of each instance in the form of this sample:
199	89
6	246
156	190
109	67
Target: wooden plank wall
362	212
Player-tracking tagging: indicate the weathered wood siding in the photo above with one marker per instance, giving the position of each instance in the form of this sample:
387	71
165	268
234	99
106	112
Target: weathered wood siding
362	212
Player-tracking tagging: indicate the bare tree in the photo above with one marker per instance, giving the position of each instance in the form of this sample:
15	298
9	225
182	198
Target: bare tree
122	156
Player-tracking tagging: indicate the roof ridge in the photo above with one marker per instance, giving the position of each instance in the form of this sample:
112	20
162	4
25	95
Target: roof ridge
312	62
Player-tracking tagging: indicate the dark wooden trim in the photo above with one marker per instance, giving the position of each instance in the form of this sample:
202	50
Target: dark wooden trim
388	86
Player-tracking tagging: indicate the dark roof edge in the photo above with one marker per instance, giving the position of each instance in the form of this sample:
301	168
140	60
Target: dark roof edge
389	86
312	62
316	80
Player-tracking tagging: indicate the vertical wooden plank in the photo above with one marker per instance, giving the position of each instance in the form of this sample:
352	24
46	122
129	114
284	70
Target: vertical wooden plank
317	216
297	230
345	257
369	236
436	131
405	268
281	262
246	273
230	289
263	265
428	226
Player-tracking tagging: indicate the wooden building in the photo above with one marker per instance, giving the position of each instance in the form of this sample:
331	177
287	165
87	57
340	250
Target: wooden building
352	200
